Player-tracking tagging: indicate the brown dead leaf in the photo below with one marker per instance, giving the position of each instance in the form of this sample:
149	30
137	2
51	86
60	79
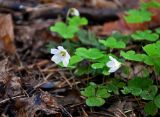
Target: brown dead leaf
101	4
122	26
43	102
6	33
125	28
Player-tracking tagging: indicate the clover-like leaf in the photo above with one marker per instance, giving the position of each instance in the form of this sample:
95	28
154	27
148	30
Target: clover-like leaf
91	53
142	83
135	91
138	16
150	4
64	30
111	42
89	91
97	65
78	21
153	51
89	38
149	93
158	30
74	60
150	108
95	101
157	101
145	35
126	90
131	55
102	93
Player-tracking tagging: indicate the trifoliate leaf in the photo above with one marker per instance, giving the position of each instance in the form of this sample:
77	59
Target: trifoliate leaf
102	93
95	101
142	83
157	101
138	16
91	53
112	88
149	93
111	42
150	4
78	21
145	35
153	51
135	91
89	38
150	108
126	90
74	60
158	30
131	55
97	65
63	30
89	91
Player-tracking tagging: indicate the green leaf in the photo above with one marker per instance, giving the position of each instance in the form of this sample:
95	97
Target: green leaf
152	3
63	30
105	71
150	93
145	35
89	38
112	88
78	21
126	90
121	37
91	53
158	30
148	60
142	83
95	101
111	42
89	91
102	93
150	108
131	55
97	65
138	16
74	60
81	70
135	91
153	51
157	101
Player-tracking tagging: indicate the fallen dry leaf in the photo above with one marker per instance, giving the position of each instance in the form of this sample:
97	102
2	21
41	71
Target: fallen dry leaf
125	28
6	33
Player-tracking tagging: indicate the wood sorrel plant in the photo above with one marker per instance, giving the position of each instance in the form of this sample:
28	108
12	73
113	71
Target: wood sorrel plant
99	59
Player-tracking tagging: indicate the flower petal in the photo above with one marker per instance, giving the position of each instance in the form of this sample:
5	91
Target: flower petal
56	59
54	51
61	48
65	62
68	56
112	69
111	58
110	64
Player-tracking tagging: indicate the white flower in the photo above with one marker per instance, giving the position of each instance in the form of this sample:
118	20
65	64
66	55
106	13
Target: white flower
74	12
113	64
60	55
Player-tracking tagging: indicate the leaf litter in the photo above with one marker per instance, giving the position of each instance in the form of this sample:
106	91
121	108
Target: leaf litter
30	84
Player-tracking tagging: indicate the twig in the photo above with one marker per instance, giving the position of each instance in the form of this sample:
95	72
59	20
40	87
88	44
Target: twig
64	77
5	100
